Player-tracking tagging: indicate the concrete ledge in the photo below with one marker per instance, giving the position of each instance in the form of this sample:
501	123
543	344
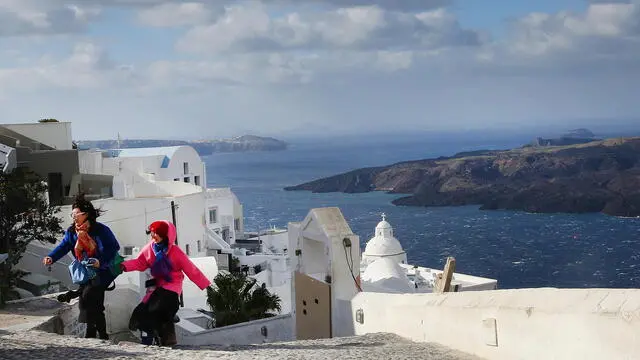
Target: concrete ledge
278	328
43	313
523	324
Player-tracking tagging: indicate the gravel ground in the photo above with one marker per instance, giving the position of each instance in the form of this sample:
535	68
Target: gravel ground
41	345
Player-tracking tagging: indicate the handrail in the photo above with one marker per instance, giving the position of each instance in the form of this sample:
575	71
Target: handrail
217	239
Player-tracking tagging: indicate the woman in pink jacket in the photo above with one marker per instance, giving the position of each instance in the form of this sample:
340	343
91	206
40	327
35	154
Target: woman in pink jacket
168	264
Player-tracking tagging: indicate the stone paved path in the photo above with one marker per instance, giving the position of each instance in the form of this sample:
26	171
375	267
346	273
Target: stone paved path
41	345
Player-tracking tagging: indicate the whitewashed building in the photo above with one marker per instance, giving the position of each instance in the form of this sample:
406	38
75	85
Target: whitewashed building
174	163
384	245
384	268
175	175
56	135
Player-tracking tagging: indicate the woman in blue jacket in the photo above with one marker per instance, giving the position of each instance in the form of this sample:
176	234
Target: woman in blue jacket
89	239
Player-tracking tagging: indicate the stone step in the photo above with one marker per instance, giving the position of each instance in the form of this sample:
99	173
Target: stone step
42	345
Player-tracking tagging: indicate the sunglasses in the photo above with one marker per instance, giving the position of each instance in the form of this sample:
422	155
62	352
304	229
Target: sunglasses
74	215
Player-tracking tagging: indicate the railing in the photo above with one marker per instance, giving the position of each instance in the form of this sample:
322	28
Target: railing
215	241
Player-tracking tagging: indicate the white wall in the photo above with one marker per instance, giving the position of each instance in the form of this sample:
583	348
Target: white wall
31	261
120	302
190	225
320	237
278	328
276	242
176	166
228	209
90	162
129	219
194	298
56	135
530	324
152	164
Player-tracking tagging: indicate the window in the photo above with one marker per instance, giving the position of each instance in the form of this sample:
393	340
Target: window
199	246
213	216
186	179
176	179
196	180
186	168
187	249
128	250
236	224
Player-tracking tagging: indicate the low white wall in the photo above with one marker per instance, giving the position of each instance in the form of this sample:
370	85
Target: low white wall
193	297
278	328
69	317
512	324
119	305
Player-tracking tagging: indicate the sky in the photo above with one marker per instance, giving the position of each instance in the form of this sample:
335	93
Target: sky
203	70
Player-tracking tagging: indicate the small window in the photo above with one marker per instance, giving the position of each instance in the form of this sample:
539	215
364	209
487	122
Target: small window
128	250
176	179
186	168
213	216
236	224
199	246
186	179
187	249
196	180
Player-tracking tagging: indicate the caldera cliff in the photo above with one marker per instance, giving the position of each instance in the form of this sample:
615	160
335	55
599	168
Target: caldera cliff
599	176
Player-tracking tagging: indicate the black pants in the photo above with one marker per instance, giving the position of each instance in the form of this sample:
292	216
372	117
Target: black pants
91	305
159	310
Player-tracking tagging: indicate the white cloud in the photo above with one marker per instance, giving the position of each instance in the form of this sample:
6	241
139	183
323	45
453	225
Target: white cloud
249	27
345	62
540	33
176	14
28	17
87	67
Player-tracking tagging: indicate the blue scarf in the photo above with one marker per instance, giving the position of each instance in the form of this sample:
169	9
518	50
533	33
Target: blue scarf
161	266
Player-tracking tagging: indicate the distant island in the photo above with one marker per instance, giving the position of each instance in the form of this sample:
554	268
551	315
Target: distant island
594	176
203	147
573	137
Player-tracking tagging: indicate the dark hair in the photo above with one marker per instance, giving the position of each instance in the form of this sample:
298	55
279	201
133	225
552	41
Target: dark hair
84	205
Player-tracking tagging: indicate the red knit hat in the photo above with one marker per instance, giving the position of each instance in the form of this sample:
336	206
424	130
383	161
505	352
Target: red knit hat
161	228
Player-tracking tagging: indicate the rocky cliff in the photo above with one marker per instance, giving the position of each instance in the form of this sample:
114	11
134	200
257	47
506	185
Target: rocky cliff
203	147
599	176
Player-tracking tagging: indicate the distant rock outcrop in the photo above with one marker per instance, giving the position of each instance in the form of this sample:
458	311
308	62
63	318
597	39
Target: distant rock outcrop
203	147
599	176
573	137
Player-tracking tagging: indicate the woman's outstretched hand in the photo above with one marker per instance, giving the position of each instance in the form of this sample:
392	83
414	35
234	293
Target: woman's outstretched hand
47	260
93	262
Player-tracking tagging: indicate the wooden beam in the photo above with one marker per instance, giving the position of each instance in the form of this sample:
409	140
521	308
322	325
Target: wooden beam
444	280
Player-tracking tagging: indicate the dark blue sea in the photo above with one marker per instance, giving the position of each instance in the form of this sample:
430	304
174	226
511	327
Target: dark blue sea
518	249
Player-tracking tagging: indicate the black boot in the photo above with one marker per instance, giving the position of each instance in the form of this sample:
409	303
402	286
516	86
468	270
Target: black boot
101	326
168	334
91	331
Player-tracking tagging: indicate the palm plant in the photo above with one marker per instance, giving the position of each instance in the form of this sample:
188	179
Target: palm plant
235	298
